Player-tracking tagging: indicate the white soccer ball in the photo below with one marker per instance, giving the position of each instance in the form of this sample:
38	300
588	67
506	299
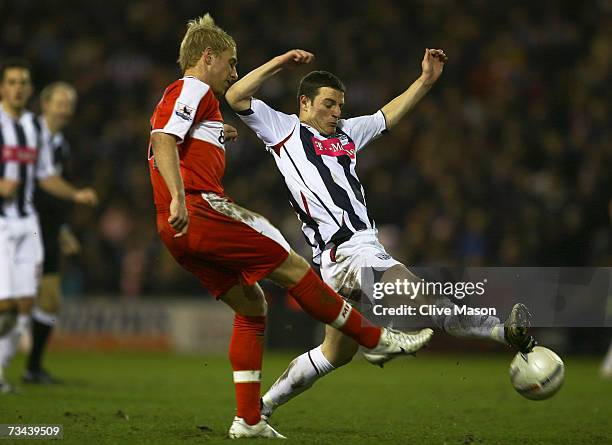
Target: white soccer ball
537	375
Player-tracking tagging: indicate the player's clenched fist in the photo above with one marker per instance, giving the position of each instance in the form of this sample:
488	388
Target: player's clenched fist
432	65
295	57
87	196
179	218
230	134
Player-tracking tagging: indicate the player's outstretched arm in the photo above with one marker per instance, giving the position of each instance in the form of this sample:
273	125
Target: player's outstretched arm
240	93
432	66
167	161
59	187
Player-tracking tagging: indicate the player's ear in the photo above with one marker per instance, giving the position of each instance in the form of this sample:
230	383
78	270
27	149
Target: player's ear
304	102
208	55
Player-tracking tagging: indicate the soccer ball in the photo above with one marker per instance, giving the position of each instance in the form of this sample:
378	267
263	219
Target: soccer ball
537	375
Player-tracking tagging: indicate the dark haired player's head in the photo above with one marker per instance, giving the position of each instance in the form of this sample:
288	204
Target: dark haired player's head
321	99
13	63
15	85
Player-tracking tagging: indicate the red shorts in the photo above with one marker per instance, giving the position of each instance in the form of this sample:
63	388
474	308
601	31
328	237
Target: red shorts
225	244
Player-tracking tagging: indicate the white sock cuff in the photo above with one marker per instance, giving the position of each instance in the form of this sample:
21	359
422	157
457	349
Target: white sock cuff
247	376
497	334
44	317
318	360
342	316
268	402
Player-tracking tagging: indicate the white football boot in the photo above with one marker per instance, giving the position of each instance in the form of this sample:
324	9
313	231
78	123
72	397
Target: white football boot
240	429
394	343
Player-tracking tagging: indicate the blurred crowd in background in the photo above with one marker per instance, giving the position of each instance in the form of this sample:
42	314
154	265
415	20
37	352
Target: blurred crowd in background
507	160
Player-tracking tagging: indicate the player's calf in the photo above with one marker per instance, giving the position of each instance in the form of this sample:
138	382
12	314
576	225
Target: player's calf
338	348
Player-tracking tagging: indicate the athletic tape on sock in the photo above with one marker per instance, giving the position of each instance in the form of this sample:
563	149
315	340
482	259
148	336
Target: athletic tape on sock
247	376
342	316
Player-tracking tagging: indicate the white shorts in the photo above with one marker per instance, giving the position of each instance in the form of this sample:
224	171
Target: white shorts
21	255
343	267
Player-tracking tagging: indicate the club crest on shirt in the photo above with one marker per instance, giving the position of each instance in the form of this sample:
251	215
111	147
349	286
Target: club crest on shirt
338	146
184	111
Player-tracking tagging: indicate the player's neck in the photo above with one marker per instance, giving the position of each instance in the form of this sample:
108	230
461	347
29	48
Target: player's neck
53	126
196	72
13	112
314	125
202	74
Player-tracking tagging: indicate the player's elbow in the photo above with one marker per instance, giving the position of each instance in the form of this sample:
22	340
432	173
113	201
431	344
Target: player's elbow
160	140
232	95
236	98
47	184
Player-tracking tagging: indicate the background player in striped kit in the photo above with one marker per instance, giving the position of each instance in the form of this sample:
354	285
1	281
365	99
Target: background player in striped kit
316	152
57	101
24	158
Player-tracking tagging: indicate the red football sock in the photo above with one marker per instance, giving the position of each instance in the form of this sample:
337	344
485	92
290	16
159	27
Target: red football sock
246	354
321	302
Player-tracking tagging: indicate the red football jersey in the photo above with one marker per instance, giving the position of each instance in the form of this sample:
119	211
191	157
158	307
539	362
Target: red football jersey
190	111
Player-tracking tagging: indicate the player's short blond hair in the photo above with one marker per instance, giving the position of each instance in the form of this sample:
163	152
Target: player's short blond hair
47	92
202	33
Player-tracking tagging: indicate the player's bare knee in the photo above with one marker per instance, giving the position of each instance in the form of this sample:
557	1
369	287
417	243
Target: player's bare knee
256	308
48	304
8	304
253	308
246	300
291	271
257	298
24	305
398	272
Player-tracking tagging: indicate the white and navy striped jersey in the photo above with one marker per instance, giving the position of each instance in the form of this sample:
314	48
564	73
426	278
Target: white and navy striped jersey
319	170
52	208
24	157
58	145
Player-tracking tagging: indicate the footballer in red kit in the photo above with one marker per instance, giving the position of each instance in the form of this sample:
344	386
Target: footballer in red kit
190	112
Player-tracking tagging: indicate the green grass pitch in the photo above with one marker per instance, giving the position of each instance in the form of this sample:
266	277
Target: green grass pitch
434	399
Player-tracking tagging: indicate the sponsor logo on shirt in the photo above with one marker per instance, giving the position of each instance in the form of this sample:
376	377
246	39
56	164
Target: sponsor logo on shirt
338	146
184	111
19	154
